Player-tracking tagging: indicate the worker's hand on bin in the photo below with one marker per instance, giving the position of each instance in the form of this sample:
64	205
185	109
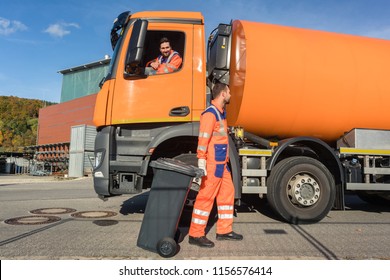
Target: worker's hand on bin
202	165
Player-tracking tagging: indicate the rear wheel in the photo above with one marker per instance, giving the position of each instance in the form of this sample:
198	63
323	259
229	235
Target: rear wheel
301	190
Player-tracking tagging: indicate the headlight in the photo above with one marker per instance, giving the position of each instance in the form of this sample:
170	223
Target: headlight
99	156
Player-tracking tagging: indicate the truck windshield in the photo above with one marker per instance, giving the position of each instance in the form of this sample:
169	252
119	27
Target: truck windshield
116	51
112	68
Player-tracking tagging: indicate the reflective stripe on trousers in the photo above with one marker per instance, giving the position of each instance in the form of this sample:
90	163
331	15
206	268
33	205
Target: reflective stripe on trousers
213	187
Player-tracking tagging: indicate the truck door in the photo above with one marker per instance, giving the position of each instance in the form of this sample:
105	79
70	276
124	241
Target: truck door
156	98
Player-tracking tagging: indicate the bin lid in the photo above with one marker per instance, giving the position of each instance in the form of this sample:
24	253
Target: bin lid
177	166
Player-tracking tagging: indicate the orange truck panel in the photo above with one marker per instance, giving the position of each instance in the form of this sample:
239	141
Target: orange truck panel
288	82
151	100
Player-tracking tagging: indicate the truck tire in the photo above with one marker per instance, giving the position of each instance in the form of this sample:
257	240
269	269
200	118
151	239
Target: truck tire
301	190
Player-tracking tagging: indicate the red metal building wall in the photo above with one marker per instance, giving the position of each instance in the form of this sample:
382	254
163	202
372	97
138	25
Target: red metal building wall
55	121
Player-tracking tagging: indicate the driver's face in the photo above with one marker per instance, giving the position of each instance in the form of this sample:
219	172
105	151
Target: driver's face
165	49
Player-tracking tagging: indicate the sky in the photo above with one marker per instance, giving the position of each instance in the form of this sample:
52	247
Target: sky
40	37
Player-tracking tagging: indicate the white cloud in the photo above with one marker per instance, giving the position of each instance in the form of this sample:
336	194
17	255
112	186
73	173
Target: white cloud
8	27
60	29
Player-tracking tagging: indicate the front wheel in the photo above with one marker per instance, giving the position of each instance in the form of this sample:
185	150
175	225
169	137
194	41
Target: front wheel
301	190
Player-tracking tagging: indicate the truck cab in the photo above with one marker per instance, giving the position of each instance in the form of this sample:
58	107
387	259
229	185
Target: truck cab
140	117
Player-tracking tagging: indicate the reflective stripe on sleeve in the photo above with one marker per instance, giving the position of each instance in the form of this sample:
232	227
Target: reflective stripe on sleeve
172	67
204	135
202	148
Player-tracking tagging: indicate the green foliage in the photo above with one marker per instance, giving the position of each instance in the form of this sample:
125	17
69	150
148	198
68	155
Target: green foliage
19	122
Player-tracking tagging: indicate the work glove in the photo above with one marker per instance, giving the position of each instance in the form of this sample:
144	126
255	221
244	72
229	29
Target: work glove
202	165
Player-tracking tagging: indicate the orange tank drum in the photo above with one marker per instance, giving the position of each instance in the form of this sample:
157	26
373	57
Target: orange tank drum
288	82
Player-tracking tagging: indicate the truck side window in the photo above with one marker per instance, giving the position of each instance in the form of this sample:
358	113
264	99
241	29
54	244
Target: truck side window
164	51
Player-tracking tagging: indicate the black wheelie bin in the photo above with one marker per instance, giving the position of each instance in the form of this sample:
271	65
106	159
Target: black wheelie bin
171	183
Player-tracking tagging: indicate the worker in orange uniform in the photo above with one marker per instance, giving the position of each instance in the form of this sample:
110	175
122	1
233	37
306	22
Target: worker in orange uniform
168	61
217	183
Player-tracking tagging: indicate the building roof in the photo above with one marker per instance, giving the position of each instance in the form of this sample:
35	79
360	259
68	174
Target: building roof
86	66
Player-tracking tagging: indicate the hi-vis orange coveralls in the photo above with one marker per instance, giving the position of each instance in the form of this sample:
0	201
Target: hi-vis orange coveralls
169	64
213	146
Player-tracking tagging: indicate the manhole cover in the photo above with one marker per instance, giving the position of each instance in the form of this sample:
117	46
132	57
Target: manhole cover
32	220
93	214
51	211
105	223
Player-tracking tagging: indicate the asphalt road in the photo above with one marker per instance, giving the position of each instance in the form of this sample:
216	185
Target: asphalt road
45	218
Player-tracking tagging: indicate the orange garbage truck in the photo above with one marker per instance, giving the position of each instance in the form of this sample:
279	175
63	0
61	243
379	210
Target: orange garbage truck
308	117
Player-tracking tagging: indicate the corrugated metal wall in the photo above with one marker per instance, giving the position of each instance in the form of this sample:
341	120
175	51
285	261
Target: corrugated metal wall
81	150
81	83
55	121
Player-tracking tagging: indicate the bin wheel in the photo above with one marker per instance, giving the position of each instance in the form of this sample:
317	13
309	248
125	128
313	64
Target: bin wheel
167	247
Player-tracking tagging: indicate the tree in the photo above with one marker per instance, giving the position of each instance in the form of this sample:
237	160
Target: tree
18	122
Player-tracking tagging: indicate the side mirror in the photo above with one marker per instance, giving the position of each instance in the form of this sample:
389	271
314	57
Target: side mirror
136	47
119	23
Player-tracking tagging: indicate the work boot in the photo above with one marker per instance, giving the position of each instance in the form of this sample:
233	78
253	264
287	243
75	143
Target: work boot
230	236
201	241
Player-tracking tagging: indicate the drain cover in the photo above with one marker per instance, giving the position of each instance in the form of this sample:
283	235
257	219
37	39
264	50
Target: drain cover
94	214
32	220
51	211
105	223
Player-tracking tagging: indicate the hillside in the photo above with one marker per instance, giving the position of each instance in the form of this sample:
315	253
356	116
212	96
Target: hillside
19	122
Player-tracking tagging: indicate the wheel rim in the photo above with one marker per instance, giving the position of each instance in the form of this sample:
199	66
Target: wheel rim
166	248
303	190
